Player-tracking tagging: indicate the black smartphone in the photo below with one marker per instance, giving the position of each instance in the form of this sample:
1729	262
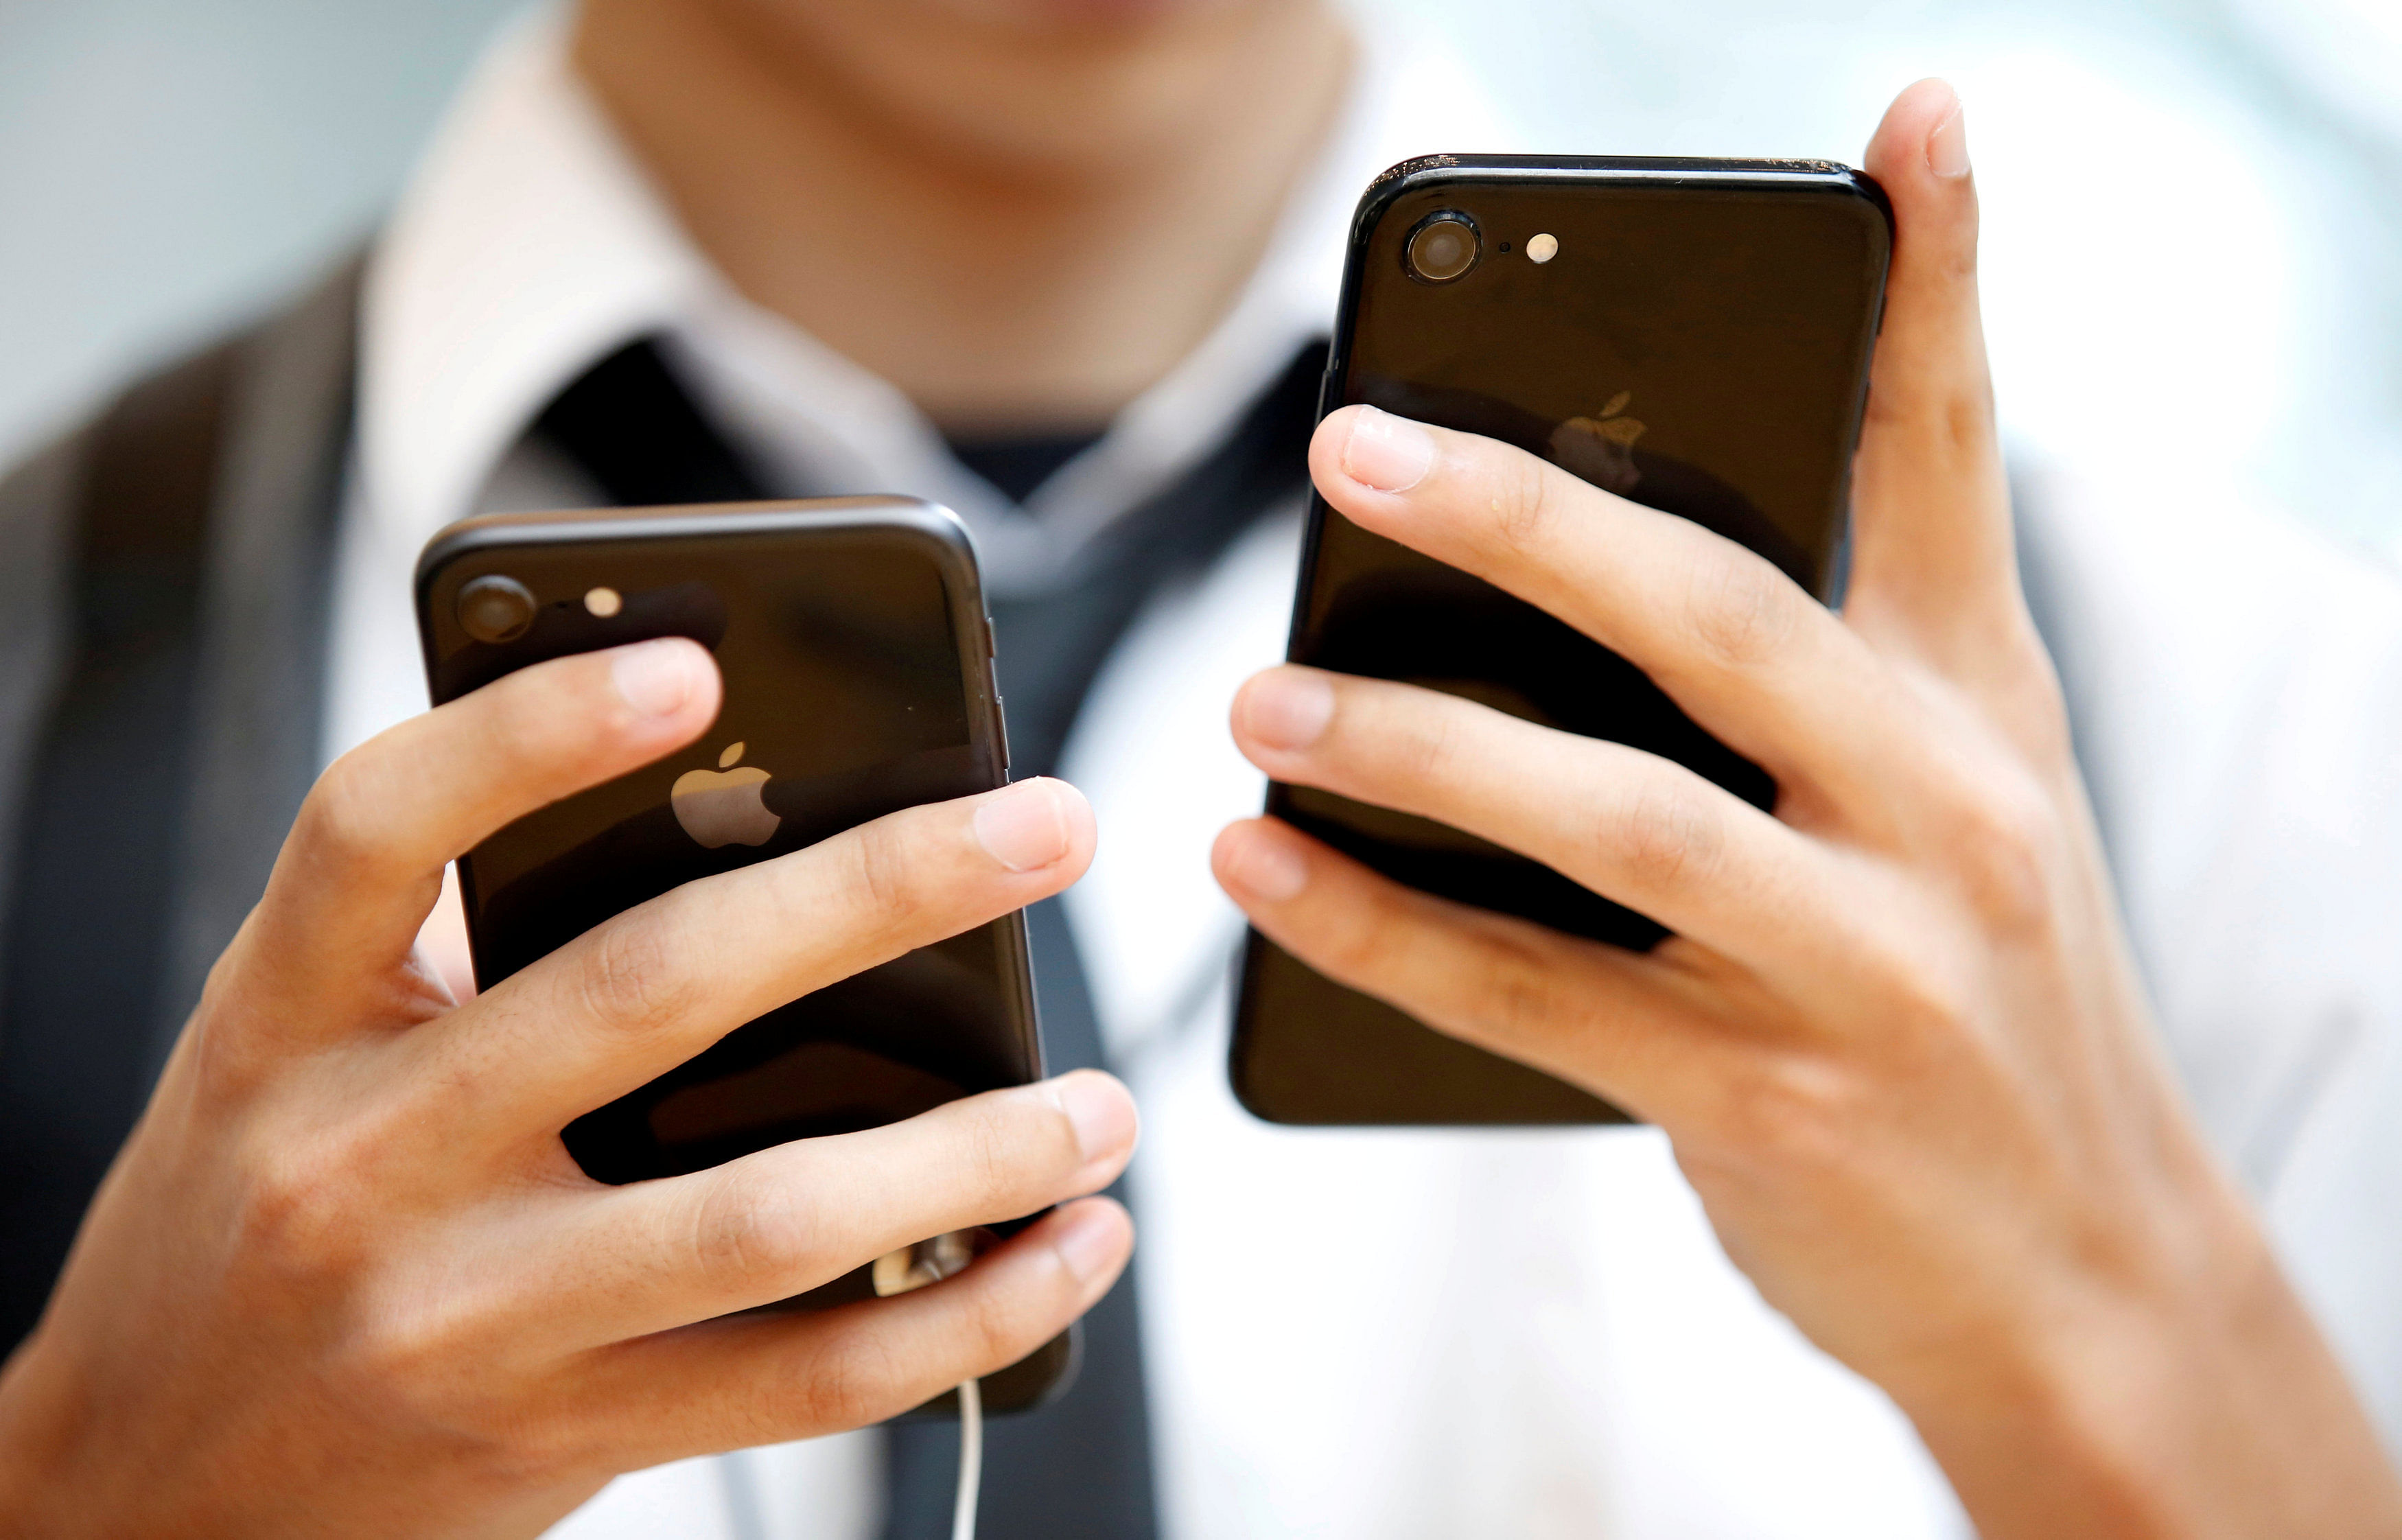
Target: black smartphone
856	660
1692	335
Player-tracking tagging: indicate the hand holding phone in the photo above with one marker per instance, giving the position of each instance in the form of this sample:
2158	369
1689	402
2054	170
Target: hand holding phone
344	1268
1691	335
1897	1040
856	660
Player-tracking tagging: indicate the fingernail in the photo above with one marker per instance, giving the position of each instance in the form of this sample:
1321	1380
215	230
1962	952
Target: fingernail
1024	826
1288	709
1265	867
1100	1112
655	677
1947	147
1392	454
1088	1243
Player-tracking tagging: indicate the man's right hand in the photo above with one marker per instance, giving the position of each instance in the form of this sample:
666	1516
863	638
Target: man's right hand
345	1278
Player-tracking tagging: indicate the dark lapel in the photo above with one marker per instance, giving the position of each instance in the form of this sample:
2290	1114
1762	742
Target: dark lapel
262	652
158	729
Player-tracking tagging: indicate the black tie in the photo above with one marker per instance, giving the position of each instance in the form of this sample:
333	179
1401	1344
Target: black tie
1079	1468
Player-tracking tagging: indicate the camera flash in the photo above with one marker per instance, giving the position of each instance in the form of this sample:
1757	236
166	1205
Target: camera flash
1542	248
603	602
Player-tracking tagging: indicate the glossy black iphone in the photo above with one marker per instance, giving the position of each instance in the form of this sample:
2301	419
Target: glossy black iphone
852	636
1692	334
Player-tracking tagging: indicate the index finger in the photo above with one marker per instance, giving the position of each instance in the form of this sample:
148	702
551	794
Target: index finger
362	864
651	987
1743	648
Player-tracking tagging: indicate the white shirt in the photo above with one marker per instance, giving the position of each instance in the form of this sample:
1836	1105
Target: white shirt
1401	1334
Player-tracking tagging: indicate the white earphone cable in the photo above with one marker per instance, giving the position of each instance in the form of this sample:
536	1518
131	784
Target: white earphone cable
963	1512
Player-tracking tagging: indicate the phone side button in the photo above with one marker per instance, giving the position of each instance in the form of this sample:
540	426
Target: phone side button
987	635
1000	722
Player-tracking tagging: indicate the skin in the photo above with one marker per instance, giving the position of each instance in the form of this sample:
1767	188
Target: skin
1897	1042
344	1277
1021	212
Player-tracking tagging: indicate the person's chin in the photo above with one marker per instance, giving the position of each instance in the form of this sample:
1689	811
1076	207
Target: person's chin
1081	12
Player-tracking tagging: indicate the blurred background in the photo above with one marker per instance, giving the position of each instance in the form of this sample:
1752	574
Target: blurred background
2193	208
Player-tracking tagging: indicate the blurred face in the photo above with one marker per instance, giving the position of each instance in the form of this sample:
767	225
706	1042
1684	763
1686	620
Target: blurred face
1076	85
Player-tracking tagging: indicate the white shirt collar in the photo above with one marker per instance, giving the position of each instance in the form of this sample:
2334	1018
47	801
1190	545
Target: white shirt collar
530	245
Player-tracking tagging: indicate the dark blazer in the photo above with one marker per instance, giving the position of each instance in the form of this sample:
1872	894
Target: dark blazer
163	603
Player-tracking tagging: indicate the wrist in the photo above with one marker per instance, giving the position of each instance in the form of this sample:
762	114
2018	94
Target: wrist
2200	1401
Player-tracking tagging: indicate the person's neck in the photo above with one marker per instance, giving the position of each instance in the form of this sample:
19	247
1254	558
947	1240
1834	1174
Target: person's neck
1006	282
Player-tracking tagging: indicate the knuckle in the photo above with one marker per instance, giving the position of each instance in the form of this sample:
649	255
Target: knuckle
1887	410
2002	835
745	1232
425	1367
1740	612
992	1159
296	1218
524	1454
998	1326
1663	836
1357	942
630	980
853	1384
882	873
1431	743
2028	700
1954	423
1520	997
1922	1000
338	827
1967	420
1926	1005
410	1359
1524	503
1793	1109
413	1349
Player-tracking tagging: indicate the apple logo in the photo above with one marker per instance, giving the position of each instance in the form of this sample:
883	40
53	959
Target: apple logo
1601	449
724	805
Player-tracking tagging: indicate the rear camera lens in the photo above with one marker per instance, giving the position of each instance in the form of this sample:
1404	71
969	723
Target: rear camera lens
1443	248
495	608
